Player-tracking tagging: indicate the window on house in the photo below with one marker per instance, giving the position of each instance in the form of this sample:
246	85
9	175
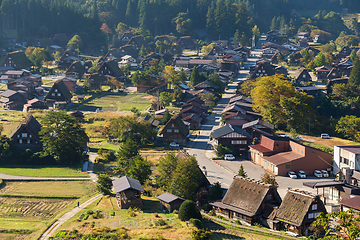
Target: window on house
56	90
172	125
28	141
304	76
311	215
314	207
176	130
168	130
30	136
238	142
24	135
53	94
18	135
59	94
20	141
288	166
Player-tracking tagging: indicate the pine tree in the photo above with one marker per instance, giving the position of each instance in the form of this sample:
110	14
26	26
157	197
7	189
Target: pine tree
355	72
195	77
242	172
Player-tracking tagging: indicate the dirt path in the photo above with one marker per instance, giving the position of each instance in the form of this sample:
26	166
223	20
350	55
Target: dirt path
52	229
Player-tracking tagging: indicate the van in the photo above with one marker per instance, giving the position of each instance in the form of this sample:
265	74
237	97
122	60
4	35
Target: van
325	136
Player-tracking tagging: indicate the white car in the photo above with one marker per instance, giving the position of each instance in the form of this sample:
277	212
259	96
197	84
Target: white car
317	173
292	174
325	136
174	144
325	173
301	174
229	157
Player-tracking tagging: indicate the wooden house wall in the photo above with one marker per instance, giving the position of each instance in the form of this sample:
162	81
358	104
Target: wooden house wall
126	199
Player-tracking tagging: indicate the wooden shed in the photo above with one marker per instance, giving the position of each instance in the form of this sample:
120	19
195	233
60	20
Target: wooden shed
128	192
170	202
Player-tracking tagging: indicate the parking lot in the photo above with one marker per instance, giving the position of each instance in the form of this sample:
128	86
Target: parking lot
285	182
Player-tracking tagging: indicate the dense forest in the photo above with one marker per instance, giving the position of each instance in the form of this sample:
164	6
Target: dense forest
220	18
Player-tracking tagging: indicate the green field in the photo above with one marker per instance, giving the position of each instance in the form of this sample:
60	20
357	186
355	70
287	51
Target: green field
31	171
121	101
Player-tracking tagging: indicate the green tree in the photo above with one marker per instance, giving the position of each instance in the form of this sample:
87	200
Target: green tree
139	168
104	184
75	43
7	150
189	210
353	55
166	117
136	112
170	74
216	192
201	234
186	179
182	77
355	73
256	32
165	99
166	167
195	77
178	95
242	172
237	37
38	56
269	179
128	150
63	137
121	28
346	224
143	52
182	22
349	127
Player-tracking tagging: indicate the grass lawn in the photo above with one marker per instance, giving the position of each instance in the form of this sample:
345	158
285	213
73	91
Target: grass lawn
121	101
31	171
49	188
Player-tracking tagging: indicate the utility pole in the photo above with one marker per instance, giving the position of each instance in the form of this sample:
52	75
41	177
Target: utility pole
309	125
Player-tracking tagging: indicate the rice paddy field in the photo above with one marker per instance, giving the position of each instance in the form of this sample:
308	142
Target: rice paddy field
28	207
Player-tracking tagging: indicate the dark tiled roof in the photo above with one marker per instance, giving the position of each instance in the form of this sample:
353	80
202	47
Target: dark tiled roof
168	197
351	202
125	182
258	121
228	129
8	93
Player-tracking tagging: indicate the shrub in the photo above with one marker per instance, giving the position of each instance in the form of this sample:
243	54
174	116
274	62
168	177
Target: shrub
176	211
112	213
132	214
160	222
97	214
212	213
196	223
201	234
189	210
86	217
90	212
220	217
206	207
238	222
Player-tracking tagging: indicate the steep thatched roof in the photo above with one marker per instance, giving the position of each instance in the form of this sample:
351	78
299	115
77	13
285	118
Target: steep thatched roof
59	84
29	123
295	206
19	58
247	194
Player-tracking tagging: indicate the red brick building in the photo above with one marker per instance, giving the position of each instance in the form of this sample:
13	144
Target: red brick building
279	155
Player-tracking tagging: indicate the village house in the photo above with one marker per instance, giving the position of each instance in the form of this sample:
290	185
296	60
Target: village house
78	115
153	122
110	69
193	110
70	83
66	59
347	161
170	202
298	211
334	73
302	76
263	68
330	84
26	135
12	100
34	104
59	95
350	203
193	121
175	131
128	192
310	90
257	128
186	42
344	52
236	119
279	155
137	42
322	72
93	81
17	60
268	52
125	38
249	201
229	135
76	69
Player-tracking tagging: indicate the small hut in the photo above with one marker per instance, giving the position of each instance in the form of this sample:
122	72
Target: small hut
128	192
